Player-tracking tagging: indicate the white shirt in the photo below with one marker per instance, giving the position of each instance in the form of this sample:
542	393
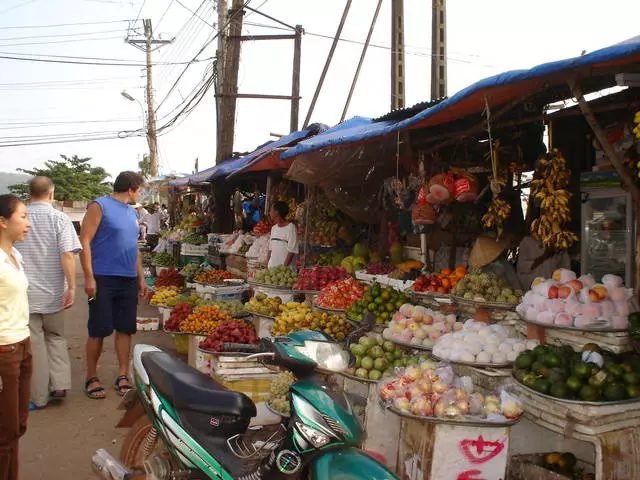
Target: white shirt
152	221
51	234
14	302
284	240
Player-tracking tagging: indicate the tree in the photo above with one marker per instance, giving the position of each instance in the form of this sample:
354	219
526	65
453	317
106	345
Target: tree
145	166
74	178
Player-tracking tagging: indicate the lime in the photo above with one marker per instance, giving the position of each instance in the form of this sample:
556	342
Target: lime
574	383
615	392
524	360
589	393
542	385
560	390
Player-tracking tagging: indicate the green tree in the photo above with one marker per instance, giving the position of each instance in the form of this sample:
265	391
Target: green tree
74	177
145	166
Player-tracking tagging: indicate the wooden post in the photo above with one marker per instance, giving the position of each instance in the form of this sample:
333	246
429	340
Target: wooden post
362	55
295	83
323	75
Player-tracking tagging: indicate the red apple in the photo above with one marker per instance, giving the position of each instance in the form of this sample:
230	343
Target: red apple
563	291
594	296
553	291
576	285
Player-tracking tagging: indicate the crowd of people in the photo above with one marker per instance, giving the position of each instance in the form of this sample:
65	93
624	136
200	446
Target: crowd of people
38	245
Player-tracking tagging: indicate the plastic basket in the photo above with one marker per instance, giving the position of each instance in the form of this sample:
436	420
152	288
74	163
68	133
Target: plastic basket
182	344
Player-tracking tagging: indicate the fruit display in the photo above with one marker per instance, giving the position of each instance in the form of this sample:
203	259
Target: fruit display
190	271
479	342
550	192
262	228
419	326
486	287
163	259
332	258
404	276
592	375
317	277
214	277
381	302
442	282
237	243
230	331
193	300
297	316
179	313
235	308
263	305
376	358
259	250
169	278
341	295
279	276
430	390
567	301
204	320
378	268
499	211
163	295
195	239
352	264
279	392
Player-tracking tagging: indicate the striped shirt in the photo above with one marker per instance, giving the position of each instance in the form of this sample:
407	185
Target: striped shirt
51	235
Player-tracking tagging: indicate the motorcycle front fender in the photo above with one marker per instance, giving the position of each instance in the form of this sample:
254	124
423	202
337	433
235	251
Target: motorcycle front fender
348	463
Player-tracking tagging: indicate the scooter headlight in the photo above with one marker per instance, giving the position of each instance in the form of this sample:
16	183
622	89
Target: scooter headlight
313	436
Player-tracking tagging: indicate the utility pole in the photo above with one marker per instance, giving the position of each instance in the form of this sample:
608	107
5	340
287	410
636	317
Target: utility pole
229	86
397	54
147	45
438	50
295	80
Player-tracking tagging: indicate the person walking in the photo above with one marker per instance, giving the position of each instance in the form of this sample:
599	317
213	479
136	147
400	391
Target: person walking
152	222
15	346
113	278
49	262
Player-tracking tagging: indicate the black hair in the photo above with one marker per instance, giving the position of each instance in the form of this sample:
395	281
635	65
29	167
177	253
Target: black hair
8	205
282	208
128	180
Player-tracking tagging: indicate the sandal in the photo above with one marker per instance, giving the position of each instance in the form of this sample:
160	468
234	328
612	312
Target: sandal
95	393
122	389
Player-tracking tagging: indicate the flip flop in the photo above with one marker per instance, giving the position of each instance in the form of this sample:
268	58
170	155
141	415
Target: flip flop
33	406
122	389
94	393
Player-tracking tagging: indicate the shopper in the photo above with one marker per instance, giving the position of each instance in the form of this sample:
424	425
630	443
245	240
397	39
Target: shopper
113	278
15	346
49	260
283	245
152	222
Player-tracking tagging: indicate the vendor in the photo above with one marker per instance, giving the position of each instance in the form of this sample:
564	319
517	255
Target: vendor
535	260
490	254
283	245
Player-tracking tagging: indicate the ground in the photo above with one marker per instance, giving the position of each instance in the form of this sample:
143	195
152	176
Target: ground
61	439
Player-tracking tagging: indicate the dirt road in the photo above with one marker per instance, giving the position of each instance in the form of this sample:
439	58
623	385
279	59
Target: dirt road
61	439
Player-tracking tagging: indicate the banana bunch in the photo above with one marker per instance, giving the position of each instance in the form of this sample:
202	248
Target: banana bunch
551	193
636	120
495	217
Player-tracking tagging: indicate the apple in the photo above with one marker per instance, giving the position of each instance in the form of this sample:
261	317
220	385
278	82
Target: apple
594	296
553	291
601	290
401	403
576	285
563	291
427	320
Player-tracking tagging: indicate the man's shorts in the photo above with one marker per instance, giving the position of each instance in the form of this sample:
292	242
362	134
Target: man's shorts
114	307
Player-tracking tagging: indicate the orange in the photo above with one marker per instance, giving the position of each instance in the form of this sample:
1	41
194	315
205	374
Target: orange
446	283
446	271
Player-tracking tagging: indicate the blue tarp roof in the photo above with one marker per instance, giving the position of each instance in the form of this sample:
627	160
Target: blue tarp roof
499	90
239	164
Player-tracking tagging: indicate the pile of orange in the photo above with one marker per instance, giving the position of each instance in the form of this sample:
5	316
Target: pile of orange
214	277
204	320
442	282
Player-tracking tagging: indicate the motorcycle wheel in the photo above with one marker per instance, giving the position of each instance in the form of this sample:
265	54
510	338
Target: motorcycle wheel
132	453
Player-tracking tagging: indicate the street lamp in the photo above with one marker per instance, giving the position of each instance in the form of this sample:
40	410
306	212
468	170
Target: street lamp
132	99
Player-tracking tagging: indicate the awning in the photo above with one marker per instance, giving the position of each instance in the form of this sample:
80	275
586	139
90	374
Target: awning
596	67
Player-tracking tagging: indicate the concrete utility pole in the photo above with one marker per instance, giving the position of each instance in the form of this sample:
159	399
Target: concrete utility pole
438	50
228	90
397	54
147	45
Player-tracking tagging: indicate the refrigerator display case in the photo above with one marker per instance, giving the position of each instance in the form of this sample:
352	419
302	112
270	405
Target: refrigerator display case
608	233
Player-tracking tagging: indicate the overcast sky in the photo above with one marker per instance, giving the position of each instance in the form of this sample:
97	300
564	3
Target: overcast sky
42	101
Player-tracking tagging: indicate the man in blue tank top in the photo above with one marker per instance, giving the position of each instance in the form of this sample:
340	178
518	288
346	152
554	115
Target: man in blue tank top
113	277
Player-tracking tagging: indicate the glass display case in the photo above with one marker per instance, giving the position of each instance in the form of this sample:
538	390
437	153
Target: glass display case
607	243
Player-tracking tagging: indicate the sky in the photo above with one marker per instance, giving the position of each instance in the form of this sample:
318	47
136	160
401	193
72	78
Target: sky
48	101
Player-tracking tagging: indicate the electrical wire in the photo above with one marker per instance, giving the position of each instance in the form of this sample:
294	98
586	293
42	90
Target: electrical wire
16	6
56	25
53	42
192	12
164	13
106	62
77	34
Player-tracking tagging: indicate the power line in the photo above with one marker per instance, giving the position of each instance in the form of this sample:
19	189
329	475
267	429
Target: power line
76	34
164	13
107	62
56	25
67	82
53	42
17	6
193	13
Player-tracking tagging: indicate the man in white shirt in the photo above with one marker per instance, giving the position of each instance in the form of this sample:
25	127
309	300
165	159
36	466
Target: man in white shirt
152	221
49	253
283	244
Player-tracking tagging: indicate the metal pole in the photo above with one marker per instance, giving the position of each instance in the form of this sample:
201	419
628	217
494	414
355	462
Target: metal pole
362	55
336	38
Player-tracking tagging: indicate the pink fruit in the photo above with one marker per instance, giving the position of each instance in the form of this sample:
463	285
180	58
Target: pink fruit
618	321
545	317
587	280
583	321
563	320
576	285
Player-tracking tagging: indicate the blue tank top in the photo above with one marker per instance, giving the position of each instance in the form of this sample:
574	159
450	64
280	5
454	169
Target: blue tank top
114	249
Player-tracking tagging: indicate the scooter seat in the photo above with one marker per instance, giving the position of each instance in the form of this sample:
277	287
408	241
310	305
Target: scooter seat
189	389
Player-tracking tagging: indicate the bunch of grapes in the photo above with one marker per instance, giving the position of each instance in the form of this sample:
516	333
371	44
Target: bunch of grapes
279	391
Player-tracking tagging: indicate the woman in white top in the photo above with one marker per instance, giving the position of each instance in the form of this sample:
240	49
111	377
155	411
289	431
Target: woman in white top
283	245
15	347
